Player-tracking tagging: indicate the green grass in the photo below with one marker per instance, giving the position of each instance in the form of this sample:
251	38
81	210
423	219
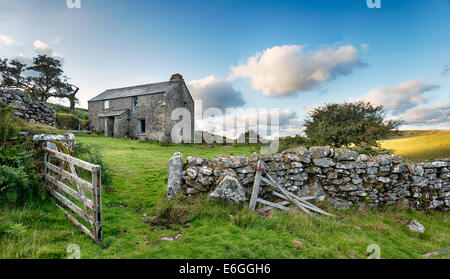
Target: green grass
208	229
420	145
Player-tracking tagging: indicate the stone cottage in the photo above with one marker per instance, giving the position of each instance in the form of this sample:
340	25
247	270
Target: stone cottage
142	111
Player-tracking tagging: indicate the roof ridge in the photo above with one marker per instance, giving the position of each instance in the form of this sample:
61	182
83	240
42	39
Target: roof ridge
134	86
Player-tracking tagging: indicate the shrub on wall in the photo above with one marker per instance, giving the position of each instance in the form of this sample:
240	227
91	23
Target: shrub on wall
80	113
67	121
19	178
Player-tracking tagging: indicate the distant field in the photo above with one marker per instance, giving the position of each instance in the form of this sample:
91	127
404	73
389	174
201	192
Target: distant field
420	145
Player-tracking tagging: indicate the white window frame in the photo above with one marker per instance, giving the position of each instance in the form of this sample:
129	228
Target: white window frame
106	104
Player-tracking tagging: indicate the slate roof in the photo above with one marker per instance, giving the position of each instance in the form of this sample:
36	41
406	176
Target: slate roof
151	88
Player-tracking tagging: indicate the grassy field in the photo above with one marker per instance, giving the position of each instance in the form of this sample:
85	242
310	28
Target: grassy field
420	145
208	229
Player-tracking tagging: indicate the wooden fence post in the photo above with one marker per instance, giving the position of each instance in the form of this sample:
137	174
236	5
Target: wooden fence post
97	198
256	183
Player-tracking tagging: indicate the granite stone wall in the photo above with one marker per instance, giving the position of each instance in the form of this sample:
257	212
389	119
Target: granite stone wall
28	109
342	177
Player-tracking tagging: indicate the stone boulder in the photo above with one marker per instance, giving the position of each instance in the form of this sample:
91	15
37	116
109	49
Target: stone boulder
174	174
229	189
320	152
313	189
416	226
340	203
341	154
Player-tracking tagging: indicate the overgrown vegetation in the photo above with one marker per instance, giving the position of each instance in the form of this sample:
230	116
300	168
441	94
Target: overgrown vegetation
78	112
91	154
341	125
137	216
19	180
70	122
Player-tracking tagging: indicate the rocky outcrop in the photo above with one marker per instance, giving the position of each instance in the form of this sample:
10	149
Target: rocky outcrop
28	109
343	177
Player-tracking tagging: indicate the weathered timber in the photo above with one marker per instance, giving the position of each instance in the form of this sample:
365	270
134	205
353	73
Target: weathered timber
304	204
256	184
294	201
80	226
92	212
271	204
267	208
70	205
73	160
71	192
67	175
97	197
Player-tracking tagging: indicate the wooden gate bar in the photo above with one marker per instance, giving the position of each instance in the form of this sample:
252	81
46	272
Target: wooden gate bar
92	212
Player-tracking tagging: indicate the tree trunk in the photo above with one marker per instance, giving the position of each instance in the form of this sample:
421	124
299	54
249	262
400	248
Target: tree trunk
72	105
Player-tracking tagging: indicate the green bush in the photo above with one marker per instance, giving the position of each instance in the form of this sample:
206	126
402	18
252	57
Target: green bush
80	113
67	121
346	124
92	155
19	178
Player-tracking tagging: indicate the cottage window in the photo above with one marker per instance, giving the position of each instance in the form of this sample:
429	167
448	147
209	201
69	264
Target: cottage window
135	102
141	126
106	104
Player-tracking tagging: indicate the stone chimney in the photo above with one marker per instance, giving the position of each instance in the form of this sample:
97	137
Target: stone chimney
176	77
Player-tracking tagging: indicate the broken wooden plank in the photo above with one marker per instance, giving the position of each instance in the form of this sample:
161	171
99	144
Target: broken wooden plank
294	201
311	206
256	184
303	199
267	208
273	204
307	205
431	254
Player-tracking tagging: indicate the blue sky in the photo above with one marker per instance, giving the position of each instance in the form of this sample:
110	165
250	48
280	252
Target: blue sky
327	51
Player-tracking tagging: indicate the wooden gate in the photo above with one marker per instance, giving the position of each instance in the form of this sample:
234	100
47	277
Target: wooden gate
68	187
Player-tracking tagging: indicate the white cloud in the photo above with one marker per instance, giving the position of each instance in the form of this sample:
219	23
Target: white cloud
287	69
5	40
215	92
42	48
251	119
427	115
401	97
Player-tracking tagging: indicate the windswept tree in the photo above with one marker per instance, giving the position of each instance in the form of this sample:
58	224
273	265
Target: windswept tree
341	125
41	80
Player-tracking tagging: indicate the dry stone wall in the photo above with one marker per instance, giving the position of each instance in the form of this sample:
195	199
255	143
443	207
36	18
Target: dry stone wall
28	109
341	176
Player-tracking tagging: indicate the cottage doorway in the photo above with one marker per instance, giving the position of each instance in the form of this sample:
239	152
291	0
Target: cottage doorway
109	127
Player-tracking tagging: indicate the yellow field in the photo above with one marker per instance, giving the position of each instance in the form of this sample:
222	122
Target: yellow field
420	145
